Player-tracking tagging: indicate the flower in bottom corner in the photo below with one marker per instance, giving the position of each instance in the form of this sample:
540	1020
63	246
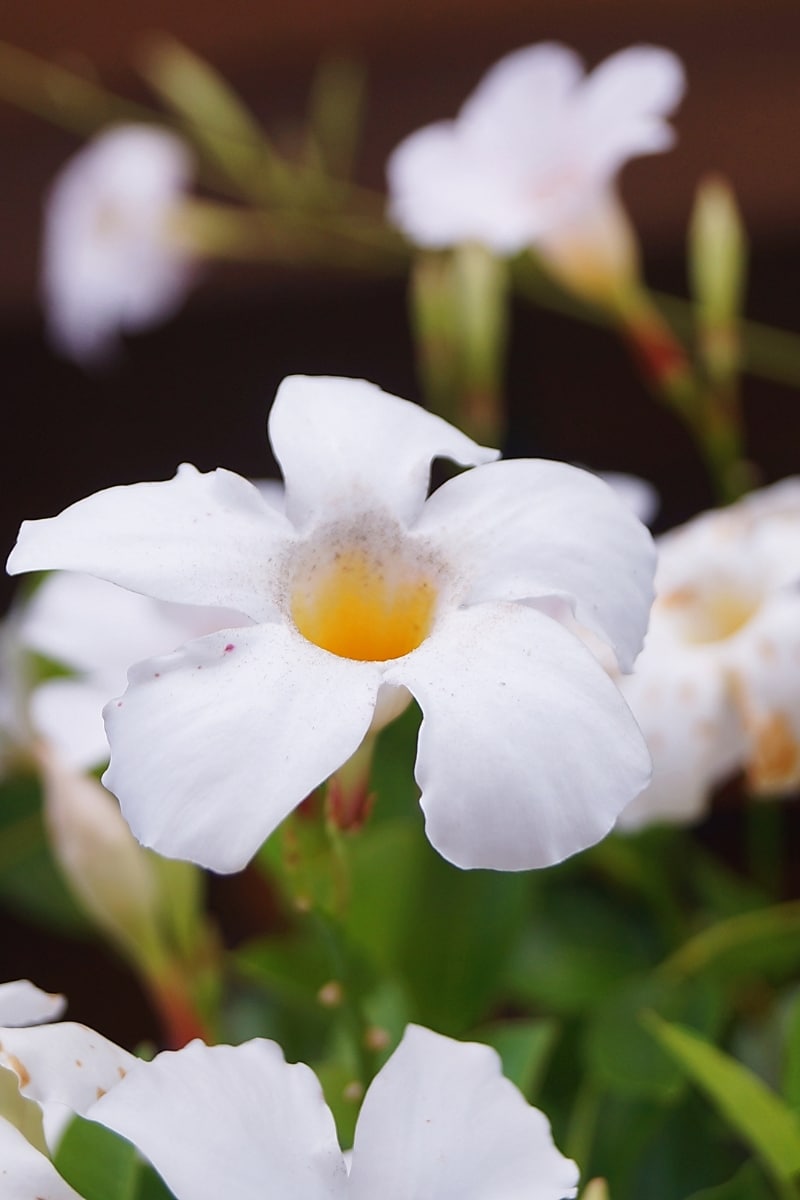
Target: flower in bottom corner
716	689
439	1120
362	593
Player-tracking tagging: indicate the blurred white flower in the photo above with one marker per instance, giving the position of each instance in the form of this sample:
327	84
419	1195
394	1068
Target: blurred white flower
110	264
532	157
717	687
360	593
439	1120
97	630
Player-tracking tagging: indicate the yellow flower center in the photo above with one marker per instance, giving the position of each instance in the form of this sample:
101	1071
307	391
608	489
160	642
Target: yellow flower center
710	615
364	605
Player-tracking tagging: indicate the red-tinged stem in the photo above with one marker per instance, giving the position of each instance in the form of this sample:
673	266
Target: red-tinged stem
177	1011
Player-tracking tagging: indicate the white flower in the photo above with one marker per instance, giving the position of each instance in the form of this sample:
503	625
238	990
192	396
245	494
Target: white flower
97	630
361	593
439	1120
109	263
717	688
535	148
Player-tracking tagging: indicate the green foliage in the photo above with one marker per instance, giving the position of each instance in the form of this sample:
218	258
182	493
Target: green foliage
759	1116
97	1163
30	881
100	1165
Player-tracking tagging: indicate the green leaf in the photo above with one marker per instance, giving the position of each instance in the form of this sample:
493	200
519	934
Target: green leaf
747	1184
766	941
760	1117
30	881
791	1059
151	1186
97	1163
577	947
621	1054
525	1048
442	933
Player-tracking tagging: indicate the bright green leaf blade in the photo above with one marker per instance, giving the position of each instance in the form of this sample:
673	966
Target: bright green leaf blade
97	1163
760	1118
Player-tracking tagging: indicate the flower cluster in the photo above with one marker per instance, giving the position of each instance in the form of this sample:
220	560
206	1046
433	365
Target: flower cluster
715	688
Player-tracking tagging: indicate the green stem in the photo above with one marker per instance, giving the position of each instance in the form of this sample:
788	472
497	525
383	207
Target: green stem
354	1020
583	1123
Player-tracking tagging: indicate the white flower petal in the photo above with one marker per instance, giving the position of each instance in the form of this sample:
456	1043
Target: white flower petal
68	713
234	1121
680	700
205	539
439	1120
442	194
23	1004
764	665
345	445
519	98
475	178
622	106
213	745
98	628
65	1063
25	1173
527	528
527	751
109	265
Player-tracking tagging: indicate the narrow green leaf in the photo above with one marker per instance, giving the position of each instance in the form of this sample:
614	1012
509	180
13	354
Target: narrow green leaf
759	1116
215	117
151	1186
97	1163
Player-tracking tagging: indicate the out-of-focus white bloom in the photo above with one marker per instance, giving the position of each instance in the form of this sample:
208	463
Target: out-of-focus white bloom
717	687
360	593
97	630
438	1120
110	262
533	154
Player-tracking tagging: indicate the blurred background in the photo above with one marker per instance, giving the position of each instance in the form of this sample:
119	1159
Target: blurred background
198	389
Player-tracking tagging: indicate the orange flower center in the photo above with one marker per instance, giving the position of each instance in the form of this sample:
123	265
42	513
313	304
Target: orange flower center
364	605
